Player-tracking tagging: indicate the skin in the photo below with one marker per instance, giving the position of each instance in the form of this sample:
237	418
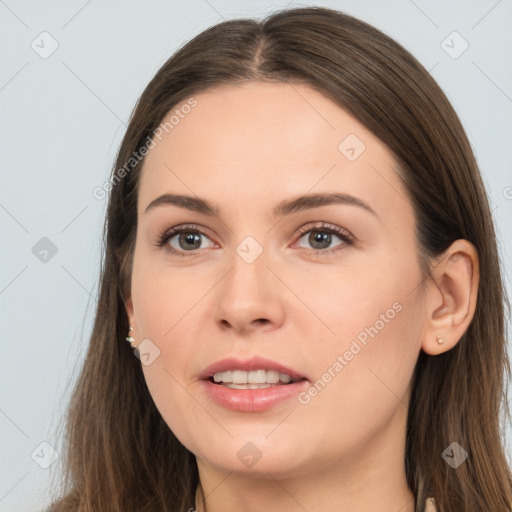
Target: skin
245	149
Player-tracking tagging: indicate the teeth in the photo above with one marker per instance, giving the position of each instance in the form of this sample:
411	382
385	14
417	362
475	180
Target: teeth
273	376
224	376
247	386
240	378
256	377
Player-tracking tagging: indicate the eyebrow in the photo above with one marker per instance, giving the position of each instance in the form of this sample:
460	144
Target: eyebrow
286	207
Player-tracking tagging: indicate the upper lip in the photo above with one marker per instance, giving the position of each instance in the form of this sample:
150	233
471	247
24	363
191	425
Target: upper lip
255	363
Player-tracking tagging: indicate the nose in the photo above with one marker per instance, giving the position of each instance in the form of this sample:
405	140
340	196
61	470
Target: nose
249	297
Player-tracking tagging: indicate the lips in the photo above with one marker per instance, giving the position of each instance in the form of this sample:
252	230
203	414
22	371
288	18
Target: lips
251	397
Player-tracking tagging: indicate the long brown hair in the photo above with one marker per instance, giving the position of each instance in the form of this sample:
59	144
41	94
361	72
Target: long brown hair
120	454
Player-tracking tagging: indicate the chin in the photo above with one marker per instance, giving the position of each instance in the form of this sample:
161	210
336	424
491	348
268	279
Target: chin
252	457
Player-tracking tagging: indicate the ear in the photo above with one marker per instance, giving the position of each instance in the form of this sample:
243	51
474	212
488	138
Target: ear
129	310
450	297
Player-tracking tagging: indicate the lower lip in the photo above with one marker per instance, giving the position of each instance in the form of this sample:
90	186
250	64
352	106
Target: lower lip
252	400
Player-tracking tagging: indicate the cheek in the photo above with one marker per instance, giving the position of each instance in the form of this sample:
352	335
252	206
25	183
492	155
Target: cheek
162	295
363	368
167	306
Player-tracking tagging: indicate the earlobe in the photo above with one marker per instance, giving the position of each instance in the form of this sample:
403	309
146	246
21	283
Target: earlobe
450	300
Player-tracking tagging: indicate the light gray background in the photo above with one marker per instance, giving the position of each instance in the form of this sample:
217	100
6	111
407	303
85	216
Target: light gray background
63	118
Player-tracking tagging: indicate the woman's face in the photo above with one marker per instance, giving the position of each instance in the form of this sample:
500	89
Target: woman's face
269	277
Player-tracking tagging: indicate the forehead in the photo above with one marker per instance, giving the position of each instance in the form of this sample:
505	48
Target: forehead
261	142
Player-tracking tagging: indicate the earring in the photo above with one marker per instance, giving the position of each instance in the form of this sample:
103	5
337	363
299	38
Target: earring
130	339
440	340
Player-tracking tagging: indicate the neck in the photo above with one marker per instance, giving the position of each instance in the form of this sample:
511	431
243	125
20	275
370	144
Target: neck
371	478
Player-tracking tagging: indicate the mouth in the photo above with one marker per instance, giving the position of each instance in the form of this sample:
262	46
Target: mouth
255	373
254	385
253	379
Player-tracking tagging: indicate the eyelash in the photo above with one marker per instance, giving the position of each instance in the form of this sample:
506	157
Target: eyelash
324	227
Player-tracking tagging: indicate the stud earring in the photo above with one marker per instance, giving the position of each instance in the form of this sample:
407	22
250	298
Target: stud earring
130	339
440	340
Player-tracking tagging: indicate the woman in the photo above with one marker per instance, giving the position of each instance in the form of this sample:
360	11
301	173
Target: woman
300	250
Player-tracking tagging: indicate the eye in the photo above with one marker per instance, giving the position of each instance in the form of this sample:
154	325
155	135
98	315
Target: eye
321	237
189	238
182	239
